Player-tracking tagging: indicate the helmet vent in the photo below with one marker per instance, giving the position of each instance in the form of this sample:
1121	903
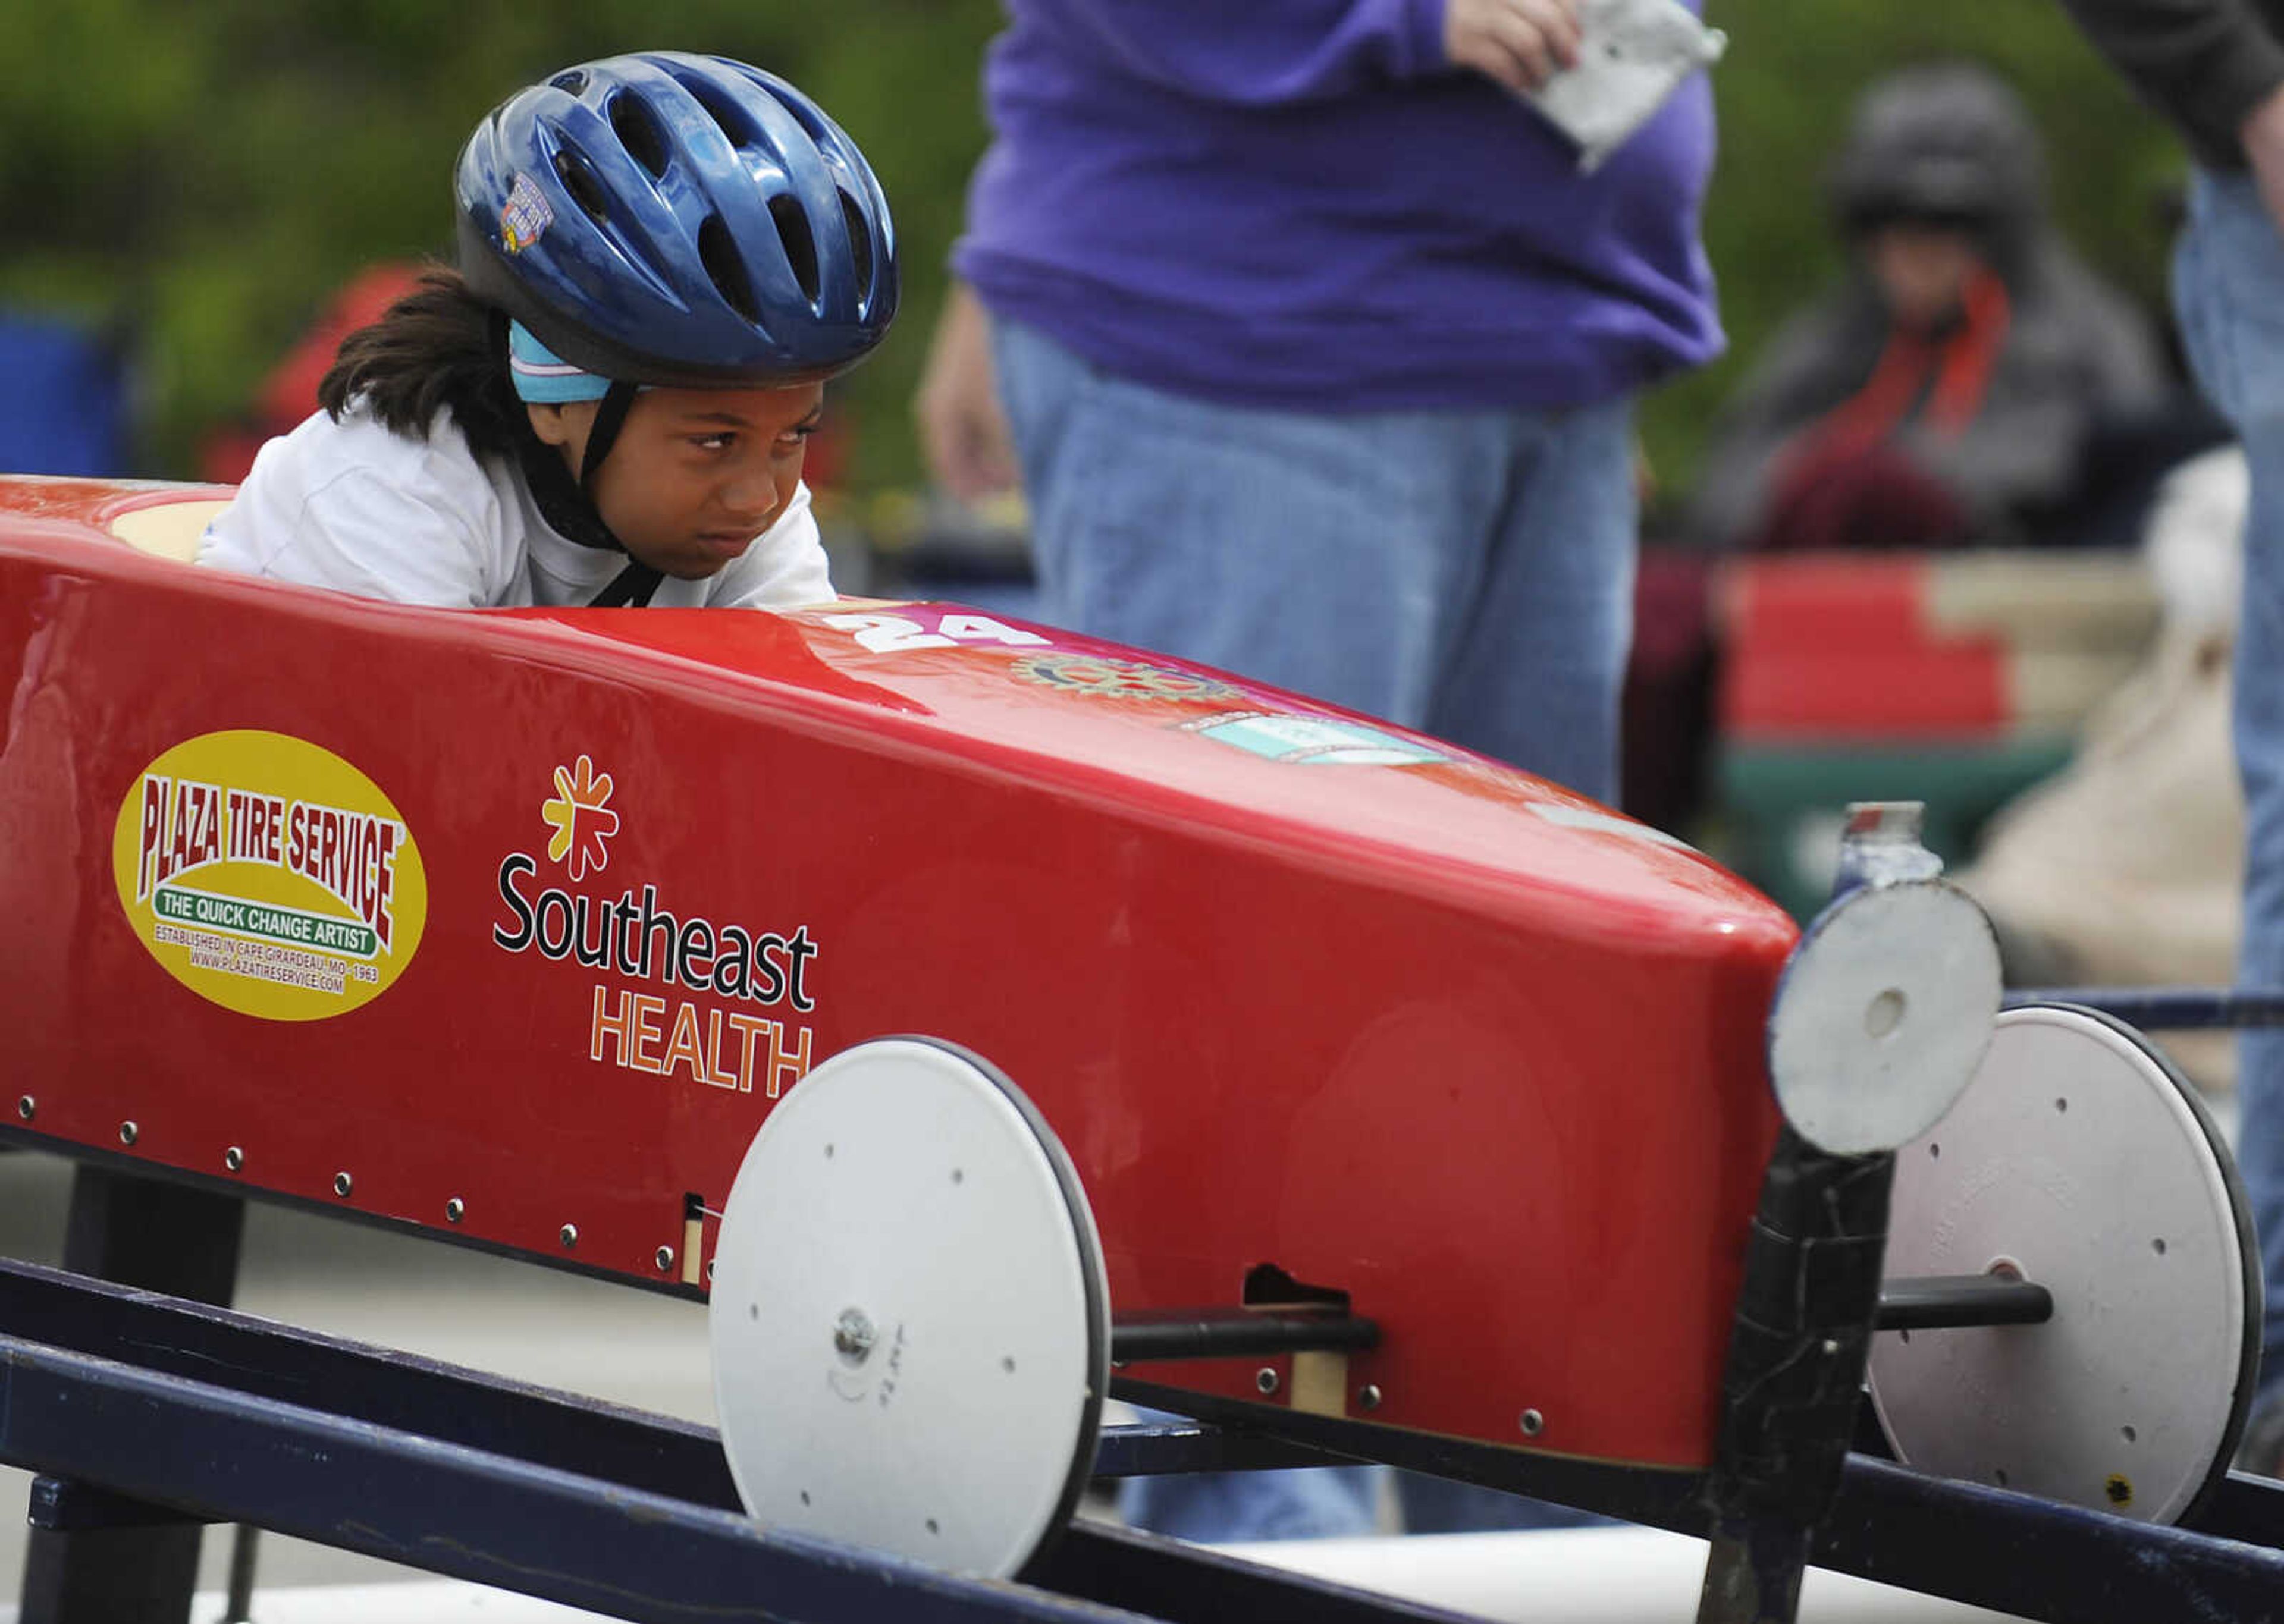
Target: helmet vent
733	120
860	242
799	242
725	270
639	134
571	81
579	179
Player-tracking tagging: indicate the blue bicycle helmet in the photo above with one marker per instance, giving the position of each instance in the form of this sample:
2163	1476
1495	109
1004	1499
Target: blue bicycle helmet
672	219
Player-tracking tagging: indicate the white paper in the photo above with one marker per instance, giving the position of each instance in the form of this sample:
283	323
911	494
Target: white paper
1633	54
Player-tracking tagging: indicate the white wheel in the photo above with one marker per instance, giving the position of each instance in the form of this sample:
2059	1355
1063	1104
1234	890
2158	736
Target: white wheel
909	1334
2080	1159
1884	1012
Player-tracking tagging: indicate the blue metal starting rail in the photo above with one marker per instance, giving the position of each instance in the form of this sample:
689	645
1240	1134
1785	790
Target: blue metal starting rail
148	1415
222	1416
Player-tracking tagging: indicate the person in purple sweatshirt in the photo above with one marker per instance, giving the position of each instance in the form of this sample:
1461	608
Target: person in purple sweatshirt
2215	68
1319	348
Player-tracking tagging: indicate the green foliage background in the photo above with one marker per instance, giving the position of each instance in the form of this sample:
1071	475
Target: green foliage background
205	175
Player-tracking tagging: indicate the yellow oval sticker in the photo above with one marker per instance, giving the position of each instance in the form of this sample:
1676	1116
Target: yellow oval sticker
268	875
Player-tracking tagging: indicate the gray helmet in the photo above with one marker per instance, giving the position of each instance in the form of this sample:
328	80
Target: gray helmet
1947	142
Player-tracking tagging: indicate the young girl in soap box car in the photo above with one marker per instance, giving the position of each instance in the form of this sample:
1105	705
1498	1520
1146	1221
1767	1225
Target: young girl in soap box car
662	257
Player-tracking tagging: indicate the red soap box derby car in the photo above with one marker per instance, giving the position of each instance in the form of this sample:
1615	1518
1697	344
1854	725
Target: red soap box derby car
518	926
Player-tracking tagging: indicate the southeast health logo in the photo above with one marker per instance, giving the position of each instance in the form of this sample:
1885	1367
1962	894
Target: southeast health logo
673	989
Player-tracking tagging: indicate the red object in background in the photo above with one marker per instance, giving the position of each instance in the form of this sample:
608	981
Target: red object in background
1410	1025
1862	499
1842	646
290	391
1831	603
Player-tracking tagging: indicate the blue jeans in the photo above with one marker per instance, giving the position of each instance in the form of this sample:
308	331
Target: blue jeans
1465	572
2228	287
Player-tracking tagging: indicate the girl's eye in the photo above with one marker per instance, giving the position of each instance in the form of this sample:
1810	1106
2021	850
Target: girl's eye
713	442
797	436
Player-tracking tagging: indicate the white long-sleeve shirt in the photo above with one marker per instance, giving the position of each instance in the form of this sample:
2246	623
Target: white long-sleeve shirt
352	506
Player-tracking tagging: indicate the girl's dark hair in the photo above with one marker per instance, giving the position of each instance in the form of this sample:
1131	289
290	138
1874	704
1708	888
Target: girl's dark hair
439	346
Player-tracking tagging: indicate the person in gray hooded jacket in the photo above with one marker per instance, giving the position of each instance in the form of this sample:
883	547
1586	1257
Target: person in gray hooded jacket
1947	391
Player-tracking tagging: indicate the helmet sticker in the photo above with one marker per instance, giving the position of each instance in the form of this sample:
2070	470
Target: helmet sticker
524	217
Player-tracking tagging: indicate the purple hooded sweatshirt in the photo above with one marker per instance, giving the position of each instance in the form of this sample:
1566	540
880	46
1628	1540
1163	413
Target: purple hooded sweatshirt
1300	203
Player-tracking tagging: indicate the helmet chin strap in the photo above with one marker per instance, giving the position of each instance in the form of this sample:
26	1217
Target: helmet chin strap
610	417
569	504
632	586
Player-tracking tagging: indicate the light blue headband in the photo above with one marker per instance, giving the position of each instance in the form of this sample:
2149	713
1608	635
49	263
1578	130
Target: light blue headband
543	378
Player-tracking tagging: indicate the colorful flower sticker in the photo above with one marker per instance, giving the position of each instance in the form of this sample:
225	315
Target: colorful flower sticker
581	816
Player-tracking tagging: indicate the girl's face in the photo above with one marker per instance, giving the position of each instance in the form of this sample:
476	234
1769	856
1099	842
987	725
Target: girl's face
696	475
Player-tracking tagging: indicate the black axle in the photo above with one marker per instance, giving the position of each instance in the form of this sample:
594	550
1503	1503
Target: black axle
1926	1303
1934	1302
1234	1333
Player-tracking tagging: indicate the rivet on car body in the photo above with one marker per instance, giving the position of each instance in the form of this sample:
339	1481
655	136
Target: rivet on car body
233	1158
128	1133
343	1184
